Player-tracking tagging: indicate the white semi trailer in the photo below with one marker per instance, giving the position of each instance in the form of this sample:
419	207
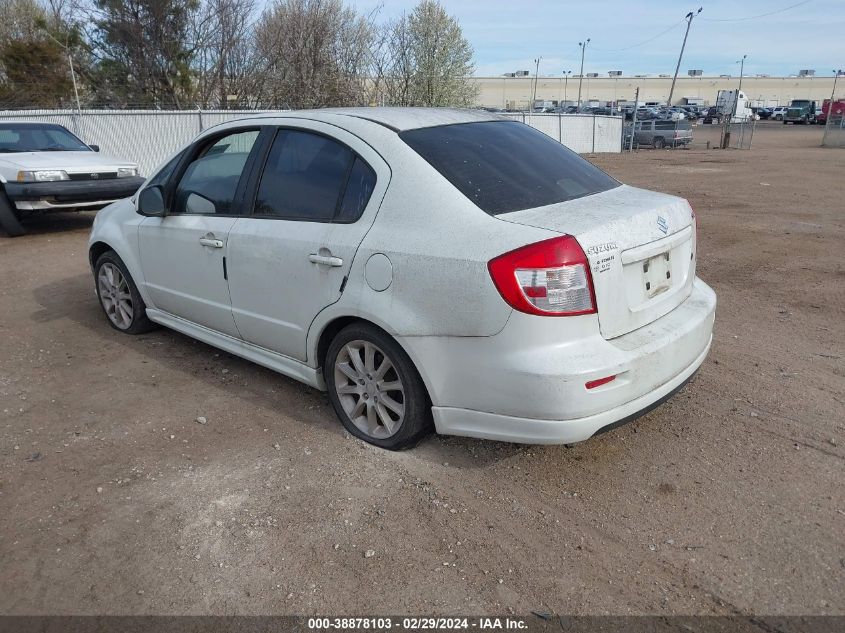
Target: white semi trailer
734	103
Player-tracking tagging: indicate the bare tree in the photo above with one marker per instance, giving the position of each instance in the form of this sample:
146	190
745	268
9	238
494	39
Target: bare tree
428	60
314	53
224	61
20	19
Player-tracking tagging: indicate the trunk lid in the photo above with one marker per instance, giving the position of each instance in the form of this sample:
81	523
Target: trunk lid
640	245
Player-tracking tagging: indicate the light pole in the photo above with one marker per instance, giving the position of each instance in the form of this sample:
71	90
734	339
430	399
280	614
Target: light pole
536	74
741	63
565	85
829	116
689	18
583	46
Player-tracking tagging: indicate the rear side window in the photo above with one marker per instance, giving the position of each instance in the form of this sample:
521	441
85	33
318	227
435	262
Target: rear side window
359	188
303	177
505	166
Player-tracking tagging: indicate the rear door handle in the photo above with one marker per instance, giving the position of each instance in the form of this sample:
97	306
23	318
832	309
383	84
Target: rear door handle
207	241
326	260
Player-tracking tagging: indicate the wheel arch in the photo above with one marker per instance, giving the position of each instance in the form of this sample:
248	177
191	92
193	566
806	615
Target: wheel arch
95	250
330	329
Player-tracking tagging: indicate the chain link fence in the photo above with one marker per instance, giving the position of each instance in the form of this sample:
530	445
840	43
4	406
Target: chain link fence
834	133
146	137
738	134
149	137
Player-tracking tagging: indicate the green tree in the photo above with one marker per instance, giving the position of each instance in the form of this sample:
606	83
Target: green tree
36	75
35	45
144	52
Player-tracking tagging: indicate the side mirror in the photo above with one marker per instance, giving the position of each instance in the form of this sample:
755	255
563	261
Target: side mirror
151	202
96	148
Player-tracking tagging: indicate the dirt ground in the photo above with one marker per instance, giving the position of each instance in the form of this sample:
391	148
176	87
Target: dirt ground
728	499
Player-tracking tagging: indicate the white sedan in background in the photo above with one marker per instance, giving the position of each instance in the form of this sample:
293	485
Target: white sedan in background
424	266
44	168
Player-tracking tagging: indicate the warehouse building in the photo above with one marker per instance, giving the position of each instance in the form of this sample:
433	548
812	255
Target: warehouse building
517	91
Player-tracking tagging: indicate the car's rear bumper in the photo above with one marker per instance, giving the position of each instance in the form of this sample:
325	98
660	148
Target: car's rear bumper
64	194
491	426
528	383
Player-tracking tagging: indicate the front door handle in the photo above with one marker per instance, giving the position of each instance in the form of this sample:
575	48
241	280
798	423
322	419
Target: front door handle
326	260
207	241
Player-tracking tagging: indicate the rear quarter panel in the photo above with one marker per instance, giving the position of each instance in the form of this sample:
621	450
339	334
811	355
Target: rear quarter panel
438	244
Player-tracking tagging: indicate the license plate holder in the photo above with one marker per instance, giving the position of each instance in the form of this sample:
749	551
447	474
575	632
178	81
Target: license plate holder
657	274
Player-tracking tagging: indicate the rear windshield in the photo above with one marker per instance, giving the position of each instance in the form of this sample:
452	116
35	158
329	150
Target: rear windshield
505	166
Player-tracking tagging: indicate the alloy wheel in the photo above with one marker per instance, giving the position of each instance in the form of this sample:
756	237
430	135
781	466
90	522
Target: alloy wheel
115	295
369	389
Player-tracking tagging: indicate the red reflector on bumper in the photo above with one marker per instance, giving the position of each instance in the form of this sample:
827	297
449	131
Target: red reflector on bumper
592	384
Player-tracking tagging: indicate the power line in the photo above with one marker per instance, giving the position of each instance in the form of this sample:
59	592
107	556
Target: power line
762	15
651	39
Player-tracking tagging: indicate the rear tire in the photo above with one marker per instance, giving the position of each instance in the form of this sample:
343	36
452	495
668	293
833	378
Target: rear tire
8	219
659	143
119	297
375	389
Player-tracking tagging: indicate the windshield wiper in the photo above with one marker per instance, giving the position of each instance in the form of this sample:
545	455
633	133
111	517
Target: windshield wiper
6	150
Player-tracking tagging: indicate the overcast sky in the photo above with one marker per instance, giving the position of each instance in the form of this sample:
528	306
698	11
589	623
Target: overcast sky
509	34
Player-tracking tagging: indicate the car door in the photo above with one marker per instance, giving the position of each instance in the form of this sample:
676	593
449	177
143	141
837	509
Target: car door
314	201
183	254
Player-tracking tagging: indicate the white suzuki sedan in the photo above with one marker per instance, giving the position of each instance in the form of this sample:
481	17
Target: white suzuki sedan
422	266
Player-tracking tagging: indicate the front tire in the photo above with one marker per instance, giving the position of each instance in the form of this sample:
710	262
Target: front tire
8	219
375	389
119	296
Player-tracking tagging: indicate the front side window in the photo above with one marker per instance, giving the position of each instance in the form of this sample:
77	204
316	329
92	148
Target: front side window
505	166
209	183
163	175
304	177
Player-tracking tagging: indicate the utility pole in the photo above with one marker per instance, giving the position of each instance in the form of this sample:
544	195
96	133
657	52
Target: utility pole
688	18
583	46
536	73
633	120
73	78
829	116
741	63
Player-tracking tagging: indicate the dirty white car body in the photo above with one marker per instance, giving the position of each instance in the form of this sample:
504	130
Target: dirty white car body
622	321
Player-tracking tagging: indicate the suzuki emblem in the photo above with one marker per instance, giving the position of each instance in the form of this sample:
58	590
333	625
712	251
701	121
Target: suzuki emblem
94	176
663	224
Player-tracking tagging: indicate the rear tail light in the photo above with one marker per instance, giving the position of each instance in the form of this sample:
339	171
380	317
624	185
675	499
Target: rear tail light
549	278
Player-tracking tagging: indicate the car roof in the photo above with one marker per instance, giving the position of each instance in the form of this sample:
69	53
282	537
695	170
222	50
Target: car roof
395	118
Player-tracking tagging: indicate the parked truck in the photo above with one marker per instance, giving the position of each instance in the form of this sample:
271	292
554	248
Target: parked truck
800	111
837	111
733	103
